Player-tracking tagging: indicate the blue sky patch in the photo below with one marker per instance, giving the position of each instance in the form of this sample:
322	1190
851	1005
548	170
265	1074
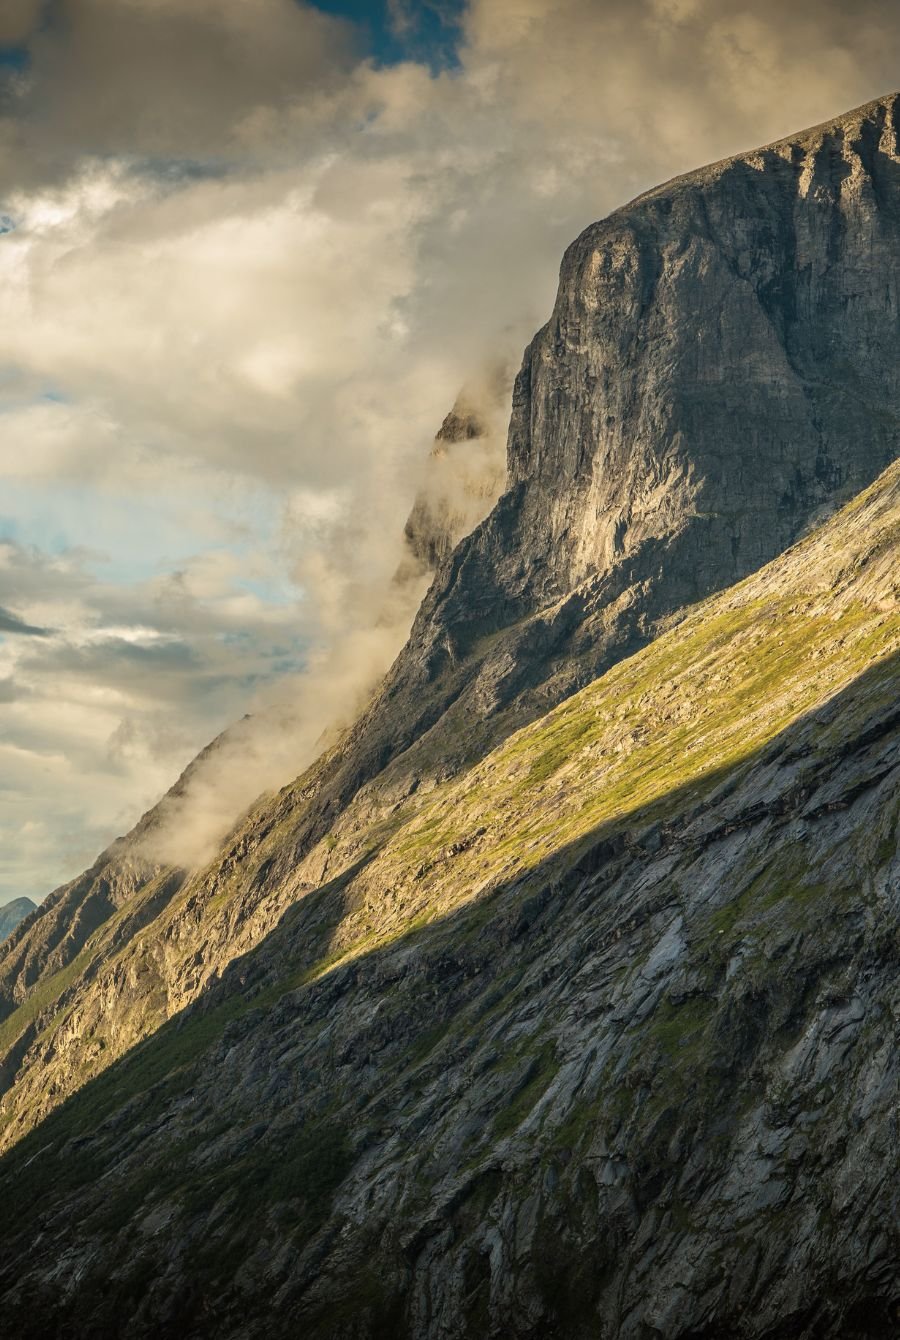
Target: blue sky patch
13	60
427	31
132	539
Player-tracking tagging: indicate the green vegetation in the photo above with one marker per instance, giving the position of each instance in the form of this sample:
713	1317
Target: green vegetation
564	739
646	742
532	1087
677	1029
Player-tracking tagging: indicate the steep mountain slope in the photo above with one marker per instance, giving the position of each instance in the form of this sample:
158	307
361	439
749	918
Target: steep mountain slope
598	1037
13	913
462	479
718	369
718	372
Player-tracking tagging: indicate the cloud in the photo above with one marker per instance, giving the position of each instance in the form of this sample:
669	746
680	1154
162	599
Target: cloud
245	274
100	715
173	79
18	20
10	623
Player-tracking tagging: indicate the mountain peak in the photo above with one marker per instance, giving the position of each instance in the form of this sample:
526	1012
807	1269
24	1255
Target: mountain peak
878	118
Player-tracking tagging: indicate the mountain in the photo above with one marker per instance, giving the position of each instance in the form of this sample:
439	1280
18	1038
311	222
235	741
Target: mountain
556	998
465	473
717	372
462	479
14	912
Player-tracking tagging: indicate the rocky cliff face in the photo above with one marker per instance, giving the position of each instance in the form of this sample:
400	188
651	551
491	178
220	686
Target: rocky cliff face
717	372
501	1022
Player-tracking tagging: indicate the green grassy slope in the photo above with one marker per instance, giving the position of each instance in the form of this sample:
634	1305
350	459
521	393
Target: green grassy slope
669	722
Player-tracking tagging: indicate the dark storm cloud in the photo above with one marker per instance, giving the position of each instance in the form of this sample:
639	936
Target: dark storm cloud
161	79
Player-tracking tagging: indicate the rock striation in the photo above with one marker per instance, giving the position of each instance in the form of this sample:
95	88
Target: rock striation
558	998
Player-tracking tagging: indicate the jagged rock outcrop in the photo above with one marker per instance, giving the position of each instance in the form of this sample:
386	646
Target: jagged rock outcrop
717	372
581	1033
465	472
13	913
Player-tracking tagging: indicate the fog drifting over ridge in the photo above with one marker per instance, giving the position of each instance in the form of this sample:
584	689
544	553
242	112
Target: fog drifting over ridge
245	271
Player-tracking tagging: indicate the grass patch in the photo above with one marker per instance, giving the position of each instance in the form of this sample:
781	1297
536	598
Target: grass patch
532	1086
677	1029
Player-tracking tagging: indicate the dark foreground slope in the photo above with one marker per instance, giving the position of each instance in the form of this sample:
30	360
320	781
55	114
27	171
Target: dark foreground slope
719	370
596	1039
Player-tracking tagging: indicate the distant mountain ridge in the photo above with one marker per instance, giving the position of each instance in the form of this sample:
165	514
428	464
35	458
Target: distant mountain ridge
516	1013
13	913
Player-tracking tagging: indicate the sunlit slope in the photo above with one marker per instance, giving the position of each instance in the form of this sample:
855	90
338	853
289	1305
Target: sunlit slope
660	729
652	737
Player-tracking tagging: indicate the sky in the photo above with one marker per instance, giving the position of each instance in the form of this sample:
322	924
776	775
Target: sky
249	252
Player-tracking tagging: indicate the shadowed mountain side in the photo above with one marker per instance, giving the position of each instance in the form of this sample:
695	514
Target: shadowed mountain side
645	1088
718	370
731	675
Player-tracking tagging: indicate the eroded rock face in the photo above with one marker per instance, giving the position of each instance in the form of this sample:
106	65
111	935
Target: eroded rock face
720	366
720	362
465	471
717	375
